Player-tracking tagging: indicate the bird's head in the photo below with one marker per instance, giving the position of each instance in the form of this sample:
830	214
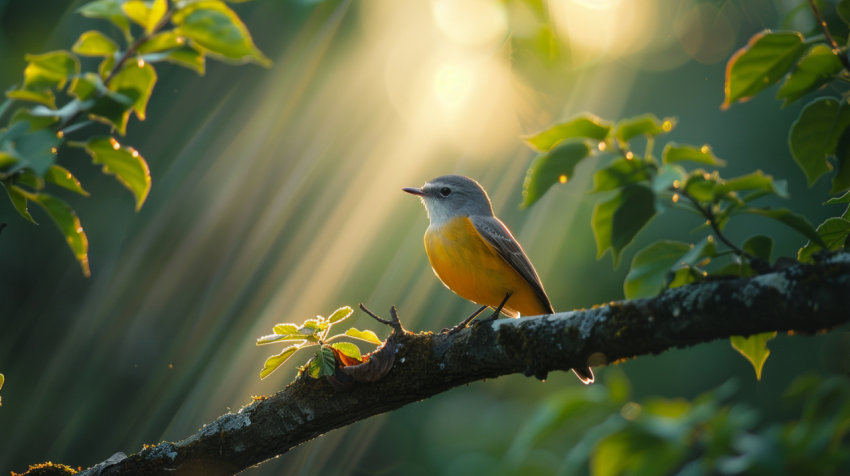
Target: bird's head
451	196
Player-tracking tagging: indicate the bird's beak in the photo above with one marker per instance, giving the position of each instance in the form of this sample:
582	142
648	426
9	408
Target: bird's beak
414	191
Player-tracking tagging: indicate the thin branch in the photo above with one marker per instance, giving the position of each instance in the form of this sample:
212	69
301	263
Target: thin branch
712	221
802	298
835	48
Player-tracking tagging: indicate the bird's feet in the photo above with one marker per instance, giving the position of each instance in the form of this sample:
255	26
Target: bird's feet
465	323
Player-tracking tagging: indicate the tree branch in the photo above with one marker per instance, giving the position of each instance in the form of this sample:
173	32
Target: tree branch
801	298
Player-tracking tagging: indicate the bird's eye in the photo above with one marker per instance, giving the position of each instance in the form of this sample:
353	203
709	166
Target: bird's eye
445	191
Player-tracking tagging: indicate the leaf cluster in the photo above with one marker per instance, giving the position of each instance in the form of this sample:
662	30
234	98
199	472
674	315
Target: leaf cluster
704	436
819	140
315	332
183	32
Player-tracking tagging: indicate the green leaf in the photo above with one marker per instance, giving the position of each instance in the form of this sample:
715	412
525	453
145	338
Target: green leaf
106	66
30	179
324	363
557	165
94	43
616	221
19	200
367	336
36	122
275	361
674	152
32	149
188	58
44	73
112	109
169	46
286	329
763	62
63	178
814	135
760	246
163	41
107	10
86	86
685	274
68	224
135	82
812	72
145	14
754	348
585	126
754	181
348	349
272	338
128	166
670	176
214	27
785	216
650	266
700	185
646	125
340	315
619	173
833	232
841	180
635	452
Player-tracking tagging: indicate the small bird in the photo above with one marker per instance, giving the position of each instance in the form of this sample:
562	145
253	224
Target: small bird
476	256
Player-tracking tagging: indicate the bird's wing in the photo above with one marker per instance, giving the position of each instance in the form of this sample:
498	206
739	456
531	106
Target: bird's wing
499	237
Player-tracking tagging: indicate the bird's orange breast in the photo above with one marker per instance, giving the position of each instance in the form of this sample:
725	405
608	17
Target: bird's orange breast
474	270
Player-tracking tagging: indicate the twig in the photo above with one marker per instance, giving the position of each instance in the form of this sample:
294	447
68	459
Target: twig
713	223
835	48
394	321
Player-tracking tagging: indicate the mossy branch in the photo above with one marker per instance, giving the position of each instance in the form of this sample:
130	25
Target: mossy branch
804	299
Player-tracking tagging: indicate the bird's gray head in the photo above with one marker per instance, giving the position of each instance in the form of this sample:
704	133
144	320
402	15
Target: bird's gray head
451	196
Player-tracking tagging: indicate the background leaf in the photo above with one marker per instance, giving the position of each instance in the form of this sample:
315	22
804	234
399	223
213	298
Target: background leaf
760	246
616	221
62	177
213	26
783	215
94	43
763	62
814	135
585	126
107	10
650	267
68	223
19	200
646	124
128	166
833	232
754	348
812	72
703	155
557	165
619	173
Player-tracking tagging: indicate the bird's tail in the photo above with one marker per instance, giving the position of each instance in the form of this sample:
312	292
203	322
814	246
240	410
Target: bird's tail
585	375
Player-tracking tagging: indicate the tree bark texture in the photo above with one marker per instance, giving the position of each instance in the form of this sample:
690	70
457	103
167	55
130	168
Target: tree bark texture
801	298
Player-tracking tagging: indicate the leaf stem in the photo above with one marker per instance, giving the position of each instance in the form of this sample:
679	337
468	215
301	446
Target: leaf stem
120	64
712	221
835	48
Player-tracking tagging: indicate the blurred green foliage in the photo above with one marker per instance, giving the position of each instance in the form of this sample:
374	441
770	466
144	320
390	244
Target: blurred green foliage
704	436
121	86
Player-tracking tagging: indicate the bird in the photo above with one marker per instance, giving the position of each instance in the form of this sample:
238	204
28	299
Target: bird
475	255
